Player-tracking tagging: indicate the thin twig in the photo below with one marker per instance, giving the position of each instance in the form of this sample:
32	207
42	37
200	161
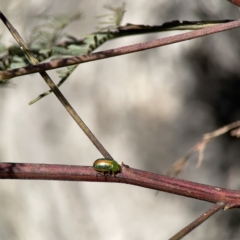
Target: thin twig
221	131
55	89
200	147
118	51
198	221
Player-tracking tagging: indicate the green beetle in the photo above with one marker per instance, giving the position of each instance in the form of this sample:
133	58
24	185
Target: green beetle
106	166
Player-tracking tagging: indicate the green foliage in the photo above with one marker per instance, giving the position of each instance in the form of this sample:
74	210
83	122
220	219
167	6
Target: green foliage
74	47
114	19
45	42
47	35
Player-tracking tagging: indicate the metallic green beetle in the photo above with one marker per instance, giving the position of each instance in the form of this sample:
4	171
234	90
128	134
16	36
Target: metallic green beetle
106	166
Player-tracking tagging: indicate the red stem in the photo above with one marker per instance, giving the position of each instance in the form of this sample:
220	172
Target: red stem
118	51
128	176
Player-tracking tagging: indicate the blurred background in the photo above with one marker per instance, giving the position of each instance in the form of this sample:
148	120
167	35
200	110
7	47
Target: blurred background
148	109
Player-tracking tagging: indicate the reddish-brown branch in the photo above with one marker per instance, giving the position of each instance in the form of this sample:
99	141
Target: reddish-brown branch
128	175
118	51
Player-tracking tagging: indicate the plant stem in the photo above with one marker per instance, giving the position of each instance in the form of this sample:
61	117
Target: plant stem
230	198
118	51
